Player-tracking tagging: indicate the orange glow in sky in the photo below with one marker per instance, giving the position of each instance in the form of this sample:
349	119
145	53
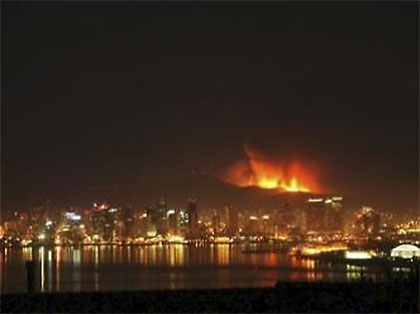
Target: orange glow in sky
259	171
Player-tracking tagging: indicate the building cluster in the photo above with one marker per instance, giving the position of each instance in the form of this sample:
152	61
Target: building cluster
323	214
315	218
368	221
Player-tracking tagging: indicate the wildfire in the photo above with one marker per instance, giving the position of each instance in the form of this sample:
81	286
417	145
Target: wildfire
282	175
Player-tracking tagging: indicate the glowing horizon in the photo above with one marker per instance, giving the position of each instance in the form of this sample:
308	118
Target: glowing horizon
259	171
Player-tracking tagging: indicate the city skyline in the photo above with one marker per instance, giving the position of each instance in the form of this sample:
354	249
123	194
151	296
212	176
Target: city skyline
215	157
125	102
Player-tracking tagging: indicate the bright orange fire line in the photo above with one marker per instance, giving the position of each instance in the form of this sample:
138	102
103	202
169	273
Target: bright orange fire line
264	173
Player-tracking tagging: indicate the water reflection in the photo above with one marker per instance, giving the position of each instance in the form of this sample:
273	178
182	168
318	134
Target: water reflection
27	253
3	267
174	266
176	255
76	270
42	257
57	267
222	254
50	270
95	271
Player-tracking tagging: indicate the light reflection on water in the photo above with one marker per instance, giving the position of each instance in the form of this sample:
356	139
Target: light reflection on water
76	278
173	266
42	258
57	267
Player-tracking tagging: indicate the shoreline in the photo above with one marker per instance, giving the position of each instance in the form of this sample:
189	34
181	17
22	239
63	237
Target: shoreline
285	297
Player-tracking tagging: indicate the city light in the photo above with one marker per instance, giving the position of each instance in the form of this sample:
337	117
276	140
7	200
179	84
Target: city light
229	158
310	251
151	233
405	251
72	216
222	240
312	222
176	239
357	255
26	242
315	200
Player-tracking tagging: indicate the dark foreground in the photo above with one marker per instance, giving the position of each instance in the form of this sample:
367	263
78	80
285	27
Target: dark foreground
358	297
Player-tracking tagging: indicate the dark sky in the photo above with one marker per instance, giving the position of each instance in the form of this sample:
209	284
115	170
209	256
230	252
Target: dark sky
114	96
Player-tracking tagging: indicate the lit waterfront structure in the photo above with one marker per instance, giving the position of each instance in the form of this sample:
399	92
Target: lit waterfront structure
406	251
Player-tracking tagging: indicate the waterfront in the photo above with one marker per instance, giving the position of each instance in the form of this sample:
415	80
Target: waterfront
175	266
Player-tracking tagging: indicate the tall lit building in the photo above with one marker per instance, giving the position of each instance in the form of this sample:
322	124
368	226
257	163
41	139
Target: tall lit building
157	216
97	222
252	227
368	221
323	214
301	220
140	225
110	222
267	226
72	230
172	217
192	217
315	214
127	219
231	220
334	213
216	224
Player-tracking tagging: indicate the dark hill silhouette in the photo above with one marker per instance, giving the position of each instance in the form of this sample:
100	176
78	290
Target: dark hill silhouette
213	193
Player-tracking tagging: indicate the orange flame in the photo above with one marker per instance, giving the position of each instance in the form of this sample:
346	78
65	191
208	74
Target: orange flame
281	175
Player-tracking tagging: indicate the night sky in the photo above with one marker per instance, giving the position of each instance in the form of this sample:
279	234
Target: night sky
108	98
